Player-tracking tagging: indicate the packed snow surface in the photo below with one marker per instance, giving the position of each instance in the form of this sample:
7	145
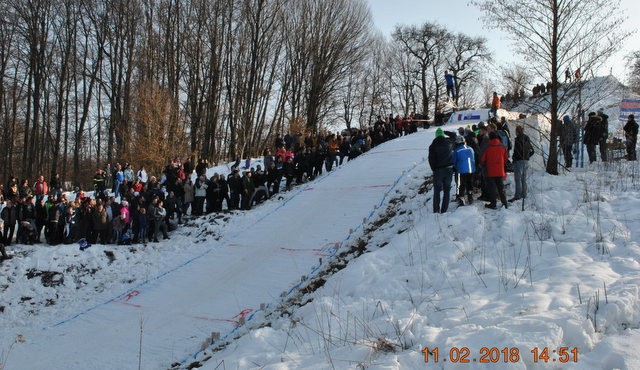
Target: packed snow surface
560	273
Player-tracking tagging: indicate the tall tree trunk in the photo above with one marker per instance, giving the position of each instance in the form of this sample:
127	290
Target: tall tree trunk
552	162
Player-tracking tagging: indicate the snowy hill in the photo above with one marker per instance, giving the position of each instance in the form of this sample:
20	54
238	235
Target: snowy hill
562	275
212	276
352	271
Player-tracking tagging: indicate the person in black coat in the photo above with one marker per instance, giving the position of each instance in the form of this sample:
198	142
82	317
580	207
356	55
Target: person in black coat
55	185
593	132
213	194
201	168
602	143
441	163
345	146
9	217
55	229
224	192
235	188
568	134
288	171
631	135
261	192
273	179
247	190
522	151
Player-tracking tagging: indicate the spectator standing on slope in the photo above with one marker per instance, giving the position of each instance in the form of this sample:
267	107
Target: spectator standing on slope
592	134
522	151
568	133
465	165
602	143
631	135
494	158
441	163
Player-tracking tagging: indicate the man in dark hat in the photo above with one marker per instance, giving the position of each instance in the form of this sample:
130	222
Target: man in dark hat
631	135
441	162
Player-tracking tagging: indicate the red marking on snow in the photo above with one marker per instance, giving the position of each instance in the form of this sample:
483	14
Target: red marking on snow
308	189
328	250
130	295
124	300
129	304
243	313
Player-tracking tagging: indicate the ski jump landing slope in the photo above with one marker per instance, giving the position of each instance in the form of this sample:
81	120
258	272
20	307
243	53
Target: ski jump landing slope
216	290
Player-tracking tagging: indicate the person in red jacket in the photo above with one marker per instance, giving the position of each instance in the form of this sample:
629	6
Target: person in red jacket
40	188
494	158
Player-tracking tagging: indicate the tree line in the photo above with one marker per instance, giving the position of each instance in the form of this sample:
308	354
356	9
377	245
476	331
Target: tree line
86	82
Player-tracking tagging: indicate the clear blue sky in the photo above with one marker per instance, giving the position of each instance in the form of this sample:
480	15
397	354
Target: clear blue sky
457	15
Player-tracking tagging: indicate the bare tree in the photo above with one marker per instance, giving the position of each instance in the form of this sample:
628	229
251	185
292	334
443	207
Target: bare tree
402	79
34	21
8	62
335	35
553	34
466	55
426	44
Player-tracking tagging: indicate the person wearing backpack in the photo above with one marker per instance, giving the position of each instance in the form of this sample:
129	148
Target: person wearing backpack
522	151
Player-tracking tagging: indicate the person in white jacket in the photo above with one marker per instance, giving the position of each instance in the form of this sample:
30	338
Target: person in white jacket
142	176
200	193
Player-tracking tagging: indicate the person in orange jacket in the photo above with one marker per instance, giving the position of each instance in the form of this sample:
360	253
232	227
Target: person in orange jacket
495	105
493	159
333	146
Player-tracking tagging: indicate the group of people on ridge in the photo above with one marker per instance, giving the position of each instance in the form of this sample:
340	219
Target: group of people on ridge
130	206
478	157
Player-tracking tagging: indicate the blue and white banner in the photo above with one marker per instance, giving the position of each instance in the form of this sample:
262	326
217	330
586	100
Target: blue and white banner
627	107
469	116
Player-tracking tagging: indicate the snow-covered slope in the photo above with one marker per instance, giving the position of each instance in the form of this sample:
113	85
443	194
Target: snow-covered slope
371	278
210	279
494	288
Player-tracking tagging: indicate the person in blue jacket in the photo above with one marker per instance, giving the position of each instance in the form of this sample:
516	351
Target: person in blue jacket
449	78
465	166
